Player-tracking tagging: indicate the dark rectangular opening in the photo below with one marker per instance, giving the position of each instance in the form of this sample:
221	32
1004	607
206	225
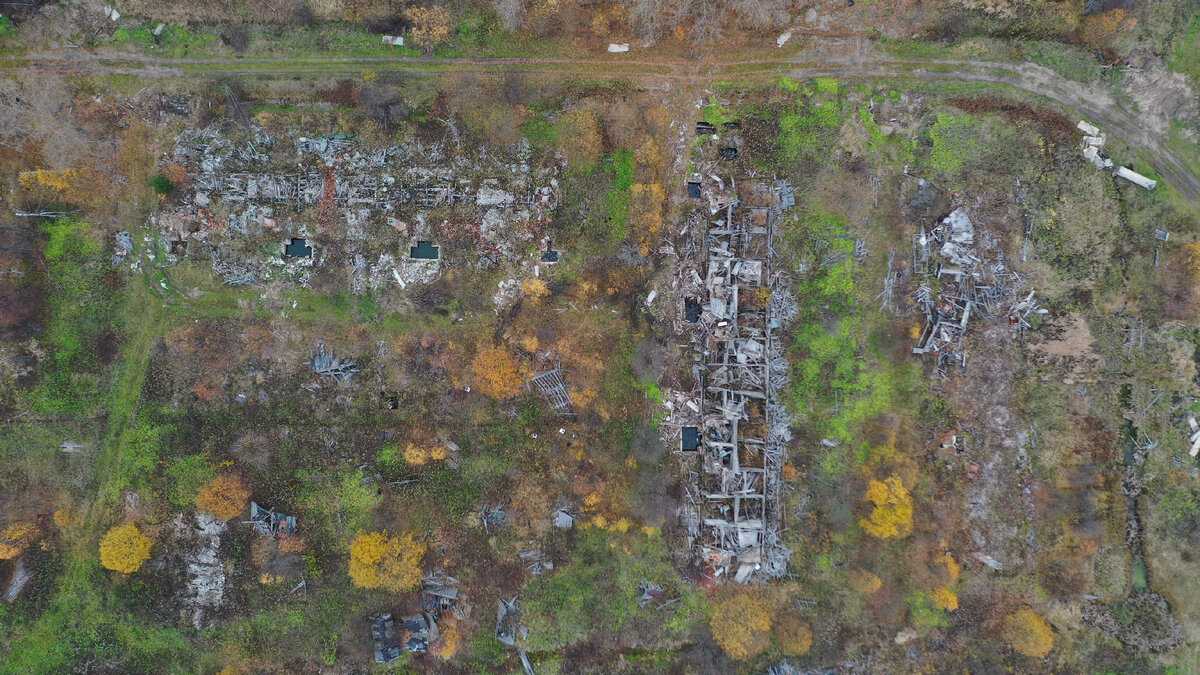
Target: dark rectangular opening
705	129
693	190
550	256
298	248
730	126
424	250
691	439
691	310
729	153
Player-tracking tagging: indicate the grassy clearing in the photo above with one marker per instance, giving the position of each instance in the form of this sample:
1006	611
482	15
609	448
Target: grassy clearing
82	316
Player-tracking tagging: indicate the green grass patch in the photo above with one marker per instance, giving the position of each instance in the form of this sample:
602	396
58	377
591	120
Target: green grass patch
955	139
174	41
620	168
1185	51
7	29
597	593
185	476
807	129
81	314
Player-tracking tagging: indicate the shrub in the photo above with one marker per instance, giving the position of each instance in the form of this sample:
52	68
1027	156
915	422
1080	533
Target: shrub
497	373
16	538
430	26
224	496
161	184
188	475
378	560
891	518
741	624
1028	633
124	549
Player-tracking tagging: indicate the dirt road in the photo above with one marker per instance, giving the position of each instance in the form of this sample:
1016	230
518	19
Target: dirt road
849	58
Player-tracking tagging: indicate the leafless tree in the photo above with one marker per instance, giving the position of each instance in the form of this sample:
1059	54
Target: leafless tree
510	12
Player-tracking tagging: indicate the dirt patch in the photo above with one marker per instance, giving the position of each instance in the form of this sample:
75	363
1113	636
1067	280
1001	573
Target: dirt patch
1053	125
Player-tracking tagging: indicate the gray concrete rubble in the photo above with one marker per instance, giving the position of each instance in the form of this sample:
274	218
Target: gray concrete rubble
730	430
204	591
245	186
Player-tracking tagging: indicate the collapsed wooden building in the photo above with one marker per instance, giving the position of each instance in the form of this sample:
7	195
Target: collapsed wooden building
735	451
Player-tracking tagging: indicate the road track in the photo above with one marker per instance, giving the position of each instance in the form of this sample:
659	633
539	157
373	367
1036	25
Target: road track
860	62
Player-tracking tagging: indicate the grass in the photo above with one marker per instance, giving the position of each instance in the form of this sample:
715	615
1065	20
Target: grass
84	619
1185	51
598	590
173	42
620	168
82	313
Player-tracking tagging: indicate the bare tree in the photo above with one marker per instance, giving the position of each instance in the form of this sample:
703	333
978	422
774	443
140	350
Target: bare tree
510	12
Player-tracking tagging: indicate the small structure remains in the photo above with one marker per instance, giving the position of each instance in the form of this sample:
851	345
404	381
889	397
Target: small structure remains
1093	151
618	47
297	248
268	523
424	250
393	40
1193	435
970	286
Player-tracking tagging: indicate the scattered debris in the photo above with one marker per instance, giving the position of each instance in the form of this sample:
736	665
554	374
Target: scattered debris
553	389
393	40
1193	435
969	287
618	47
122	247
326	364
21	576
783	38
1093	151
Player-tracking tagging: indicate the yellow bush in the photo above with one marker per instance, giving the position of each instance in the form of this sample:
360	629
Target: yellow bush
534	290
124	548
16	538
892	516
1028	633
378	560
224	496
741	624
944	598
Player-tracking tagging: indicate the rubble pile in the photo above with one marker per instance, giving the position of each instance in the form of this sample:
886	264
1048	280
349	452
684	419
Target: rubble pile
730	429
242	195
969	287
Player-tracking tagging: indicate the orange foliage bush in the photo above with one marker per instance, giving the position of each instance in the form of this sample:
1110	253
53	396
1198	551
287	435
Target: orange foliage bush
124	549
944	598
16	538
497	373
378	560
741	625
1028	633
81	187
224	496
